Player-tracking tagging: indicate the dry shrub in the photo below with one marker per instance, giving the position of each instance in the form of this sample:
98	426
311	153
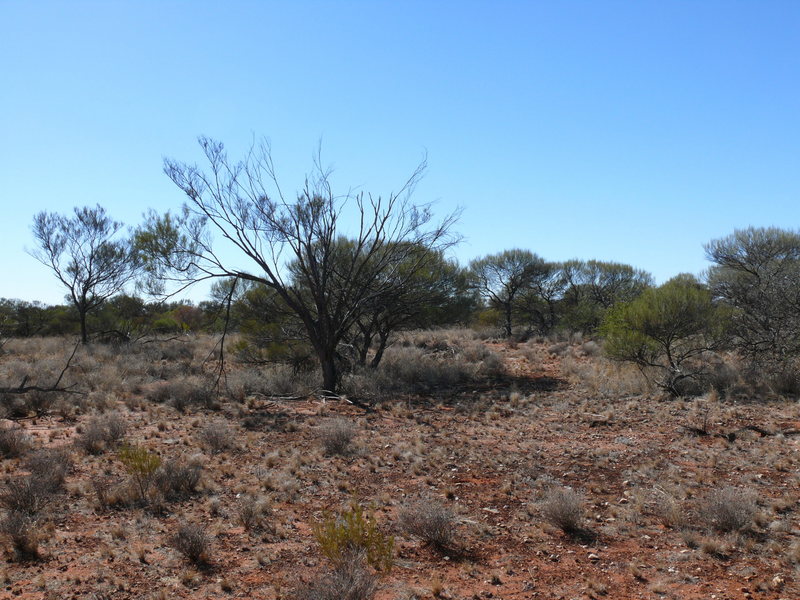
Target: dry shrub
101	433
729	510
337	436
51	465
217	437
23	532
283	380
430	521
559	349
192	541
438	340
13	442
667	509
177	480
605	378
349	581
562	507
591	348
412	370
253	513
28	495
182	392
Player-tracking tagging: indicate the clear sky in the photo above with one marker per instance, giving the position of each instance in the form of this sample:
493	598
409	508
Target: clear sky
626	131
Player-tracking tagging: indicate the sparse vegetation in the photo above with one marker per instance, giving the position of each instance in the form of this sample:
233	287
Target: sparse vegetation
473	448
101	433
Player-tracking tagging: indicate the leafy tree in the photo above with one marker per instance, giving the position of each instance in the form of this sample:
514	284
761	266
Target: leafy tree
84	257
541	302
502	278
592	287
757	272
665	332
265	232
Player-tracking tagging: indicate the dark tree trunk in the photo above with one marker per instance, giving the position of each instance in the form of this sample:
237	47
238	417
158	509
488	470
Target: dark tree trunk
507	326
84	332
376	360
330	374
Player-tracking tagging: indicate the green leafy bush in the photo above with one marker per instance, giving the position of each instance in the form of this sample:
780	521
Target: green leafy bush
666	331
354	531
142	466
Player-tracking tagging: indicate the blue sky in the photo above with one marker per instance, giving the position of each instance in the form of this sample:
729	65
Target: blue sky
626	131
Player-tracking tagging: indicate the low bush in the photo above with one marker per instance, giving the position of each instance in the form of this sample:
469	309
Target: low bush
562	507
349	581
192	541
430	521
13	442
216	437
182	392
142	467
177	480
729	509
253	513
354	532
27	495
23	533
51	465
101	433
337	436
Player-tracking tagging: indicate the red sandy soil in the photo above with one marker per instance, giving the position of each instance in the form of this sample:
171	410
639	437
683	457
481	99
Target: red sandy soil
488	451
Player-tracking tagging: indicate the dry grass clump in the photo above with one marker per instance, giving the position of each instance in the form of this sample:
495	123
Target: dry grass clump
50	464
430	521
562	507
605	378
667	509
177	480
101	433
29	494
217	437
13	442
438	340
253	513
182	392
337	437
413	370
729	510
192	541
23	532
351	580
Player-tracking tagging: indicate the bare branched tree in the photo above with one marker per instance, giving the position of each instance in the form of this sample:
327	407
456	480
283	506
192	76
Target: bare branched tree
293	245
84	256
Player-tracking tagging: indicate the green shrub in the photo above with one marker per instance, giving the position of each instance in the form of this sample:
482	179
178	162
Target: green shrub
666	331
142	467
354	531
